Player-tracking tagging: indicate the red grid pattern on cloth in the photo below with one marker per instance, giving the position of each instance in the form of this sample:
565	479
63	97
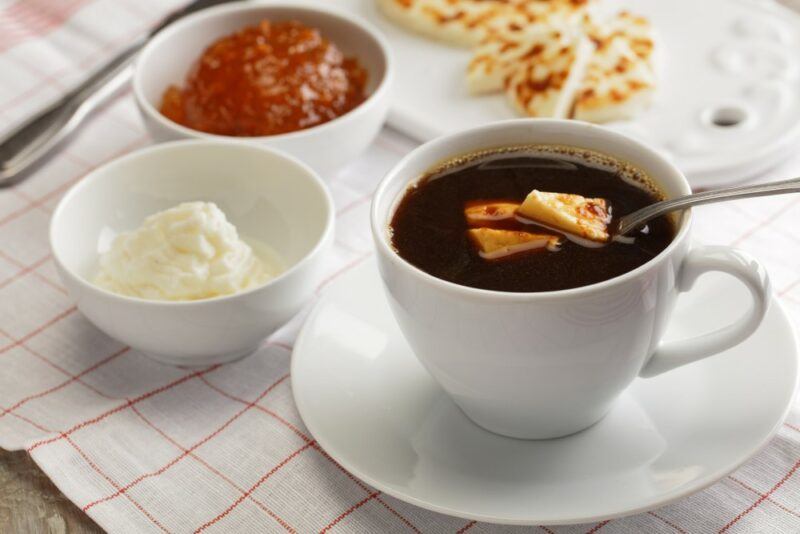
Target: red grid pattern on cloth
27	19
82	422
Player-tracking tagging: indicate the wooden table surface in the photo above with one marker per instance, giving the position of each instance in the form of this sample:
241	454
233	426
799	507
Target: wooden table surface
31	504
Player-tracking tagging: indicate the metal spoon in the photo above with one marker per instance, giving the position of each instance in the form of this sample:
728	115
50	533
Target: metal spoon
21	149
638	218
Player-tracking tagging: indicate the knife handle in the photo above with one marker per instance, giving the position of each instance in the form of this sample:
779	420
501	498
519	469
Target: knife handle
32	140
21	149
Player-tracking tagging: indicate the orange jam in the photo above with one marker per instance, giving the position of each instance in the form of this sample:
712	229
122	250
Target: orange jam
267	79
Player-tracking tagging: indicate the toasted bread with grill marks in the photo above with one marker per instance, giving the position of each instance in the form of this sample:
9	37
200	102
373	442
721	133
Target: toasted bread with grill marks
468	22
620	79
546	85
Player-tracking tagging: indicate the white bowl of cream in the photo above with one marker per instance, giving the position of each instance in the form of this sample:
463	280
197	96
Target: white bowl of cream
193	252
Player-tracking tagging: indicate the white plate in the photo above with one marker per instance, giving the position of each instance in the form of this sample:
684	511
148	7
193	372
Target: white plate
373	408
716	55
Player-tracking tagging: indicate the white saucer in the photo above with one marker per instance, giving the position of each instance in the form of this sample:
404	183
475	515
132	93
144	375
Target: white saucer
374	409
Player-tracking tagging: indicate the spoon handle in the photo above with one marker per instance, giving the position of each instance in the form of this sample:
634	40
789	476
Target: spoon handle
638	218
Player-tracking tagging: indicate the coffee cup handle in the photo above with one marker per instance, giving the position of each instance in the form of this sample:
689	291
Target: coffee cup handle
698	261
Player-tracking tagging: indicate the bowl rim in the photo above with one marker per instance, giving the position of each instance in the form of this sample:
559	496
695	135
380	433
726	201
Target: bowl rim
381	88
193	144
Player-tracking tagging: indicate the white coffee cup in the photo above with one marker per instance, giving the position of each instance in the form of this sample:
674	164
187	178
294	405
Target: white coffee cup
544	365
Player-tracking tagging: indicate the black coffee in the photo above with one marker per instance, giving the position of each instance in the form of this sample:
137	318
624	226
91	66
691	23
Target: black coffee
429	228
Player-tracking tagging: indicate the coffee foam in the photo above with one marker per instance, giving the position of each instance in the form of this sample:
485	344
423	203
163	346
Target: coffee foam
626	171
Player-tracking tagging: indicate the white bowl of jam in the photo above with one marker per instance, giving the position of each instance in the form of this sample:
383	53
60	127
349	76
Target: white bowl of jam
312	81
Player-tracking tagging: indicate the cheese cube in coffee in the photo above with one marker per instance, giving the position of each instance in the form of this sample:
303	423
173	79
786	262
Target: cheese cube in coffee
572	214
494	244
490	212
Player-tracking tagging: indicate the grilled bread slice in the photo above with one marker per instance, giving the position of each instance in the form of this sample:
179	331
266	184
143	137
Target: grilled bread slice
552	57
468	22
501	54
460	23
546	85
551	26
620	79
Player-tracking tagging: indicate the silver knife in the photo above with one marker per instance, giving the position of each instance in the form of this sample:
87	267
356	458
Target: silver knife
26	145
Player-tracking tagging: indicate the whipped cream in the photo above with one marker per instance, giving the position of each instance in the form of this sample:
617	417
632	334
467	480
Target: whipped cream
188	252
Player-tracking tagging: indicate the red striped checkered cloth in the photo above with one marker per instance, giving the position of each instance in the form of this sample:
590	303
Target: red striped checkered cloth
143	447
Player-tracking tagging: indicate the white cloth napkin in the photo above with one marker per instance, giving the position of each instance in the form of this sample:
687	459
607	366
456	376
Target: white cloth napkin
144	447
